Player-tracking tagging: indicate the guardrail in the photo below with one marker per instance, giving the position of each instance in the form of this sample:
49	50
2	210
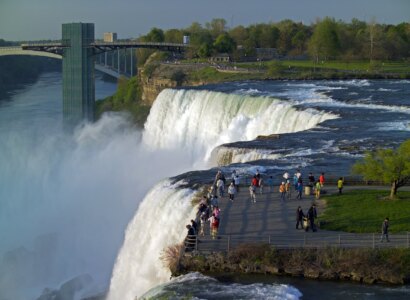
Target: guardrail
226	243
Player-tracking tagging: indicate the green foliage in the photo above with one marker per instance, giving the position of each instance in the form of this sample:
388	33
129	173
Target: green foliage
149	69
127	98
173	36
224	43
155	35
364	211
389	165
324	43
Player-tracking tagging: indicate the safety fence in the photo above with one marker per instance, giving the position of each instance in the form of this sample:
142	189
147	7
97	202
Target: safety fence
225	243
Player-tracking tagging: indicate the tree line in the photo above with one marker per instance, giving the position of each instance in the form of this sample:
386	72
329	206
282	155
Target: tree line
325	39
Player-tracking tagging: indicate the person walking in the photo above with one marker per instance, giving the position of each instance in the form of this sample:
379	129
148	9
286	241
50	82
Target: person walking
299	217
260	183
231	191
282	191
385	230
340	185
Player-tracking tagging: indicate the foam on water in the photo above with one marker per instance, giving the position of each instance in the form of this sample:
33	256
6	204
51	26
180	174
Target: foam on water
198	286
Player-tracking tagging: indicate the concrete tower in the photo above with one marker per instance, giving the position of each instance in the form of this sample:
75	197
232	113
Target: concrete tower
78	73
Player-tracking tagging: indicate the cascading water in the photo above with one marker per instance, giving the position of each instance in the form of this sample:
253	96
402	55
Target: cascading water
193	123
198	121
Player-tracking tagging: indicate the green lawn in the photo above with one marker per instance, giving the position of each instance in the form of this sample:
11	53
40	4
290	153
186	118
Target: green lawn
364	211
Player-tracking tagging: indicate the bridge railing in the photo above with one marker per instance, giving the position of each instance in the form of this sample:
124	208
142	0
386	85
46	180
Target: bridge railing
226	243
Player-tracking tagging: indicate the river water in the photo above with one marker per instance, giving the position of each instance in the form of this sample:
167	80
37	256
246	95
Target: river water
93	205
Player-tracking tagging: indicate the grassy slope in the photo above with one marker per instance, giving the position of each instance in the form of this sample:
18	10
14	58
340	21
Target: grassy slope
364	211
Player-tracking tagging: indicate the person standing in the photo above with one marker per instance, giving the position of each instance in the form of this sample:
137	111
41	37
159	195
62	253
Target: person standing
311	180
288	189
252	191
385	230
299	189
318	187
260	183
214	224
237	182
322	179
231	191
340	185
221	187
282	191
299	217
311	217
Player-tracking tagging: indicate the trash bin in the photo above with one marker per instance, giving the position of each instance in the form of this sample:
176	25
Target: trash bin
307	190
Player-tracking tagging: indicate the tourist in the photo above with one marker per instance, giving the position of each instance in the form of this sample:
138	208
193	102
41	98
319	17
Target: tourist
295	181
385	230
298	174
282	191
299	217
231	191
214	202
255	181
318	187
258	175
252	191
260	183
221	187
311	180
214	225
286	176
288	189
311	215
322	179
194	225
203	219
190	239
299	189
237	182
340	185
216	211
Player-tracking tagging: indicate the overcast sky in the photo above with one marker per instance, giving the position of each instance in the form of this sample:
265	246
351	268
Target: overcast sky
42	19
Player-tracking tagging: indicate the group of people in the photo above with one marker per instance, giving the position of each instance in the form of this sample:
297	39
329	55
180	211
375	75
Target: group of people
307	221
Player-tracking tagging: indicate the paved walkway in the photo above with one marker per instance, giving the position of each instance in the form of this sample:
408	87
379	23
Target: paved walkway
272	221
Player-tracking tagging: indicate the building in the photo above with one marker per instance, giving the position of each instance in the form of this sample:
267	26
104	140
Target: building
78	73
220	57
110	37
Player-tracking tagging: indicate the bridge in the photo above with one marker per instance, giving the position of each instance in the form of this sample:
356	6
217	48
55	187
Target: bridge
78	50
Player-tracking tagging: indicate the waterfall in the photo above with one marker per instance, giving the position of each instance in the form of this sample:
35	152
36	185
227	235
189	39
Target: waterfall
191	123
198	121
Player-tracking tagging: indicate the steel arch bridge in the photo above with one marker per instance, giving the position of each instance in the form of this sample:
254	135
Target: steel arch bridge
78	50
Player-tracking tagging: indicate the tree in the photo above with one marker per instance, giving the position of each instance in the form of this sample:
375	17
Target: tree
325	40
392	166
224	43
155	35
173	36
216	27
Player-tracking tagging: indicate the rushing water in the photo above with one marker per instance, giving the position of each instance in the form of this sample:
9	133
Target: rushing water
66	200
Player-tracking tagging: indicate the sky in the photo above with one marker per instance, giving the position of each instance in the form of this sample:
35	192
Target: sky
41	19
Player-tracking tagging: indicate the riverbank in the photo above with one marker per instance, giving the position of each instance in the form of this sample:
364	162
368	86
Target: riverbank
369	266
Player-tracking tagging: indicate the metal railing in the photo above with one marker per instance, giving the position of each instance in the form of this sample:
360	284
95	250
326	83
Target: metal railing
226	243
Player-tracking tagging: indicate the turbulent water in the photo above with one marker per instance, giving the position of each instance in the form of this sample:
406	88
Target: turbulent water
98	201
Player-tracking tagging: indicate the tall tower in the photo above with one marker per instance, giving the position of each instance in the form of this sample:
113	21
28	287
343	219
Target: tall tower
78	73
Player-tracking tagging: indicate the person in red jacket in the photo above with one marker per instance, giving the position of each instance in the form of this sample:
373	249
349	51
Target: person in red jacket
322	179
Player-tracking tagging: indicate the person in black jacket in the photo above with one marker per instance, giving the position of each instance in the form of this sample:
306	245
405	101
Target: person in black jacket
190	239
299	218
312	214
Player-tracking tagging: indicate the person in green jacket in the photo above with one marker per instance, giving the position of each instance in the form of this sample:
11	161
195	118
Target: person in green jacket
318	187
340	185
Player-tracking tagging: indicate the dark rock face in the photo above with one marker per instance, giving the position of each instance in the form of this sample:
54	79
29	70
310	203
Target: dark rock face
68	289
219	262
